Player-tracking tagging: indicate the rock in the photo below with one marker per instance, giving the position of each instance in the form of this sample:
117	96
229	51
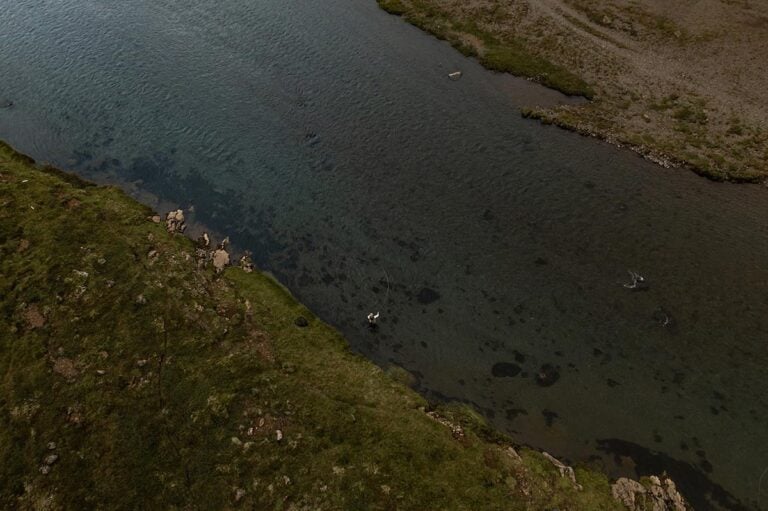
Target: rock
51	446
34	317
236	441
456	430
239	494
155	219
663	497
301	322
565	470
51	459
547	375
45	469
512	453
152	254
174	221
674	496
220	259
245	263
626	490
65	367
204	241
455	75
140	300
101	372
142	362
278	435
224	244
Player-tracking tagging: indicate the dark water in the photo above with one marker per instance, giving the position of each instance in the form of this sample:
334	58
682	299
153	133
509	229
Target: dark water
326	137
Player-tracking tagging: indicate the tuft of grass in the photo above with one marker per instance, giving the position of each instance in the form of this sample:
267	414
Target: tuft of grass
514	59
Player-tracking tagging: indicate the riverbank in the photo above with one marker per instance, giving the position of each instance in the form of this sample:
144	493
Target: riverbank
138	375
683	86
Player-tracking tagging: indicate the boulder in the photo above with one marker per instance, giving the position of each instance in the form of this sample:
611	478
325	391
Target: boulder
626	490
661	496
204	241
547	375
245	263
565	470
174	221
220	259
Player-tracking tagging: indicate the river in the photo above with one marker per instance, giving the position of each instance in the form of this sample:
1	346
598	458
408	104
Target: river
327	138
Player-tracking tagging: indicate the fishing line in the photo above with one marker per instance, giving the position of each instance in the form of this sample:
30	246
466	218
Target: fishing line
386	297
760	486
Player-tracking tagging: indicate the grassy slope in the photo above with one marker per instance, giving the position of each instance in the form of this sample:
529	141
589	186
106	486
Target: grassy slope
83	305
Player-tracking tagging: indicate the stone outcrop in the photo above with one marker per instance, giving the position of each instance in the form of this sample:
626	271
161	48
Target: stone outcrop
220	259
174	222
565	470
245	263
654	496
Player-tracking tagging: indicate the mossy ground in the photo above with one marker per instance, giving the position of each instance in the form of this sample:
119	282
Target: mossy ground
163	386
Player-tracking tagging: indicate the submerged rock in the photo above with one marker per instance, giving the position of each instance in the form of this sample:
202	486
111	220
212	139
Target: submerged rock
547	375
301	322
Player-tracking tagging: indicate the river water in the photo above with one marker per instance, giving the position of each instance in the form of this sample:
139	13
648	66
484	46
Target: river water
326	138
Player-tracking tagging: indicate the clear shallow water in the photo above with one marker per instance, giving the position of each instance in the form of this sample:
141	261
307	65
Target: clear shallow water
326	137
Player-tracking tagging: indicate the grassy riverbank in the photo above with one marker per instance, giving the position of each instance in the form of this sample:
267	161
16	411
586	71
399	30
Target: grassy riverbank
131	379
681	85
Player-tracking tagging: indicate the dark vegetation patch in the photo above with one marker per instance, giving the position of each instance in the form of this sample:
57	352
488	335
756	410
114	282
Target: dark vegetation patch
505	369
427	296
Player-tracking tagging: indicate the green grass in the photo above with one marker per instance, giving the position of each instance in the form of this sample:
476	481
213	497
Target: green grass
514	59
149	374
506	56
